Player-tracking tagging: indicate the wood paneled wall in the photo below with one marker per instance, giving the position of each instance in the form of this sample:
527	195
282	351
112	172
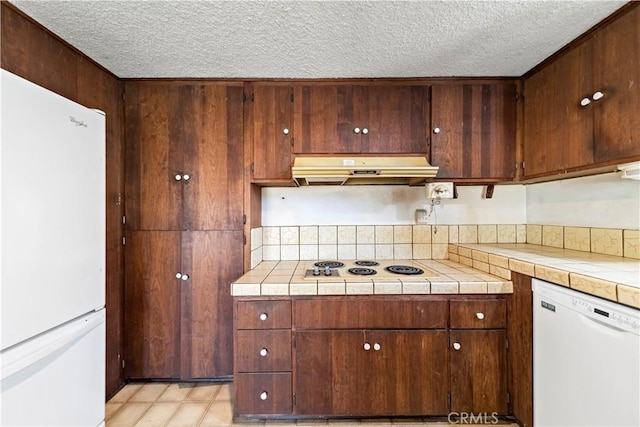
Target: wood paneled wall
34	53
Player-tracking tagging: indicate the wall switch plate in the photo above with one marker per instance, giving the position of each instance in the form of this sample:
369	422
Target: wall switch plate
421	216
439	190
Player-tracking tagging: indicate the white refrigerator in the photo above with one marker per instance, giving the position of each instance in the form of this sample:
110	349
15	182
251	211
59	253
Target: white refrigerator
52	258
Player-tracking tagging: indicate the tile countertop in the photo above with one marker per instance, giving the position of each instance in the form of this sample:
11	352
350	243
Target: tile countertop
611	277
277	278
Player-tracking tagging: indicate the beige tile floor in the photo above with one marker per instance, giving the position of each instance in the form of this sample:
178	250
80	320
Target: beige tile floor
205	404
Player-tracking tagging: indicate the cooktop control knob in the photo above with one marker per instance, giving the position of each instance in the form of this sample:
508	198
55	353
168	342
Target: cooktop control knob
327	271
316	271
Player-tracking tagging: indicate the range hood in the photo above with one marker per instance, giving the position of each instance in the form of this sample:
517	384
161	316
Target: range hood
361	170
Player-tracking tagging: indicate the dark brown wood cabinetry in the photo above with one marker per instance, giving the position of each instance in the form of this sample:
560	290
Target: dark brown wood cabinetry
370	356
348	119
263	362
479	356
184	227
269	130
473	130
580	110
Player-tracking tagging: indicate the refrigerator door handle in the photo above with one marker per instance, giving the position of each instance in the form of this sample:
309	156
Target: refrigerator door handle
23	355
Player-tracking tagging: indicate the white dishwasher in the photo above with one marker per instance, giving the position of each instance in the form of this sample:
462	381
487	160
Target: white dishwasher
586	359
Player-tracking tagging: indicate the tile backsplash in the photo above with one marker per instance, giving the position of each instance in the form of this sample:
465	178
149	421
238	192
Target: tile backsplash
373	241
427	241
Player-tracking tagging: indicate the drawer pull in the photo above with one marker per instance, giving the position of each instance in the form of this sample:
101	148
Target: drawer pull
456	346
480	316
367	346
263	352
376	347
263	316
263	395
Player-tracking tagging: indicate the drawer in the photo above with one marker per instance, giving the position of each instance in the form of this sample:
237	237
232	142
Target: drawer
478	314
370	313
263	394
263	351
264	314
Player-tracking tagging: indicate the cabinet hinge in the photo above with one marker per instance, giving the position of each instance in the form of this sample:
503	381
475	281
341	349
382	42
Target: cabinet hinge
244	218
294	399
244	239
293	341
291	97
428	141
251	167
292	142
506	342
449	399
522	164
124	241
124	219
122	363
508	397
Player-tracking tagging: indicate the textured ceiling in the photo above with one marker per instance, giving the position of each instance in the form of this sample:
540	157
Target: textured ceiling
317	39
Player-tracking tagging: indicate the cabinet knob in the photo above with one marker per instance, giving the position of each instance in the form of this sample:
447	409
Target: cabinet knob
436	130
480	316
263	395
597	96
185	277
356	130
263	352
178	177
585	101
285	131
367	346
365	131
376	347
186	177
456	346
263	316
178	275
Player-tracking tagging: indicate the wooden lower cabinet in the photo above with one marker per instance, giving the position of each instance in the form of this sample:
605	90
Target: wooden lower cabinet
371	372
365	356
479	371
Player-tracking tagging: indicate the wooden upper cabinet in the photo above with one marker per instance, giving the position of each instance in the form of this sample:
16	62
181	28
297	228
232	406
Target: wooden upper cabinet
617	75
323	120
581	110
473	128
348	119
558	134
184	162
269	129
154	123
392	119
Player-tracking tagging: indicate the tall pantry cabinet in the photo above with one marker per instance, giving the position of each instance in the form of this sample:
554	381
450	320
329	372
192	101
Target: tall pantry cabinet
184	227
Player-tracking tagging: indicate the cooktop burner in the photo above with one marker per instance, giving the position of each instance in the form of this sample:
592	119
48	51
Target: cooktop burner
366	263
404	269
360	271
330	264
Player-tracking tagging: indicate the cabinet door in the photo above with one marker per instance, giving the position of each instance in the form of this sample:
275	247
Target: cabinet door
473	130
617	75
271	133
213	158
396	118
558	131
152	304
212	259
155	125
323	120
364	373
478	371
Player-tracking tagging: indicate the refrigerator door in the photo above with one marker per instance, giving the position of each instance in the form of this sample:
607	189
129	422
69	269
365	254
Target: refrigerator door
57	378
52	191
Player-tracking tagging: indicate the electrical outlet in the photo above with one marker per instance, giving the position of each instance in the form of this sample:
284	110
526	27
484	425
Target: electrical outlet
439	190
421	216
